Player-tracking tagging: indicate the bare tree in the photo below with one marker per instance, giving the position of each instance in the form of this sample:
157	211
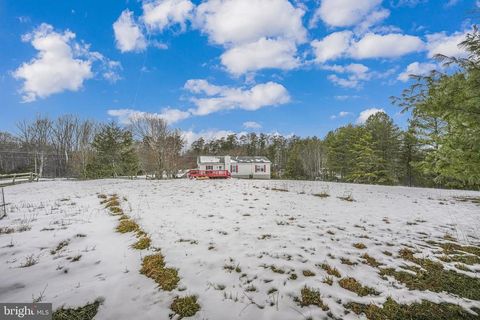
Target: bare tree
160	146
84	134
36	137
64	129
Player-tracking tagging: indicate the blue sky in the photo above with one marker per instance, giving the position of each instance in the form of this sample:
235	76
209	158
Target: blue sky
218	66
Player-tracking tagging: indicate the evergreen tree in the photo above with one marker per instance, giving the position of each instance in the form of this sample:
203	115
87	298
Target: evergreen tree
294	168
386	146
115	154
446	112
365	168
340	155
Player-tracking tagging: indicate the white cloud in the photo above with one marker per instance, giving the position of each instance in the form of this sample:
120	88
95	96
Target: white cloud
344	98
451	3
448	45
262	54
226	98
252	125
256	34
346	13
341	114
160	14
356	73
199	86
365	114
374	18
128	35
244	21
418	69
171	116
349	82
385	46
60	64
342	45
332	46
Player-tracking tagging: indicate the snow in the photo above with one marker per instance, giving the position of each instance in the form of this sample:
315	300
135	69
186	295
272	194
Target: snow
245	223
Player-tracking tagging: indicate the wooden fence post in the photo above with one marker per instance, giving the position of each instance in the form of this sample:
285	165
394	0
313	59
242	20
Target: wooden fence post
4	205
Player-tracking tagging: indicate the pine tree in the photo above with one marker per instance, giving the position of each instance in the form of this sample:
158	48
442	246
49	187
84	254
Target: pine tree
386	146
340	153
366	165
115	154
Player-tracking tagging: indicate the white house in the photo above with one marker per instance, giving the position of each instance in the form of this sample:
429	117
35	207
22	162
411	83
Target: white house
239	167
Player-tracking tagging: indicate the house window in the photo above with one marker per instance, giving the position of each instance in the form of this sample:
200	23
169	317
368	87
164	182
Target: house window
260	168
209	167
234	168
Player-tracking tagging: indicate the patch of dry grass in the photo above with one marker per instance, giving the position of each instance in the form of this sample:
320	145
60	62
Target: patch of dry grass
127	225
331	271
353	285
185	307
308	273
60	246
359	246
311	297
142	243
371	261
425	310
87	312
153	266
430	275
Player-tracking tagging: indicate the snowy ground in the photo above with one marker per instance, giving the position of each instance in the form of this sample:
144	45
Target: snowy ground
201	227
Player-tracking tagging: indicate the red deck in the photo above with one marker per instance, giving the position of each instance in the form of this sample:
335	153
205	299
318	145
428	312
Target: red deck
210	174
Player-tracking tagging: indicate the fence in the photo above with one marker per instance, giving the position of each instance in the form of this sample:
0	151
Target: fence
8	179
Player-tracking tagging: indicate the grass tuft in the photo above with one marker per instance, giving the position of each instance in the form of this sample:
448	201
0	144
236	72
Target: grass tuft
347	262
359	245
29	261
371	261
328	280
127	225
60	246
185	307
310	297
87	312
142	244
321	195
6	230
116	211
153	266
353	285
331	271
308	273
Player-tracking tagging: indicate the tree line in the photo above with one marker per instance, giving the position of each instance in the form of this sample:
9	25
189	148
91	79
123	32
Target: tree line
439	148
71	147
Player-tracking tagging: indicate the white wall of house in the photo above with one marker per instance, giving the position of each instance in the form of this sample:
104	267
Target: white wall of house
254	170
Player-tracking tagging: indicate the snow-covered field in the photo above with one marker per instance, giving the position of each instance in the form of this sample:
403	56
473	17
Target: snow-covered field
236	244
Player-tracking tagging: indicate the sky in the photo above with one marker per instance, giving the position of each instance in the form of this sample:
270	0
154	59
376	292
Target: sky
214	67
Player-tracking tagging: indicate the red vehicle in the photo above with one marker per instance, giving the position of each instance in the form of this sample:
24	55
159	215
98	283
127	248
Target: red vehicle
209	174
